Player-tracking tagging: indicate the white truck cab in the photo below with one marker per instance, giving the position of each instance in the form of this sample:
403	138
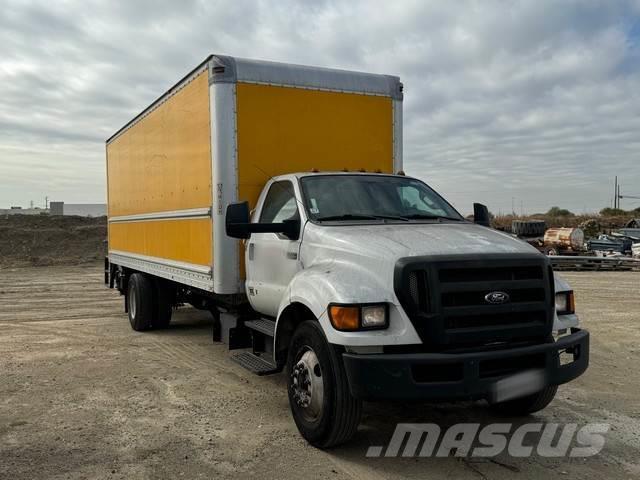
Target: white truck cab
374	287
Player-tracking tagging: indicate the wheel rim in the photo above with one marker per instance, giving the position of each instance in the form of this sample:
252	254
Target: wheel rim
132	302
307	385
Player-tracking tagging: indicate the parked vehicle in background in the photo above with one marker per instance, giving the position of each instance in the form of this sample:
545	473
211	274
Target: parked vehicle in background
552	241
272	195
563	241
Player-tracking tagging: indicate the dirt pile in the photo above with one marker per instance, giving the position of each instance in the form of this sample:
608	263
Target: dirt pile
45	240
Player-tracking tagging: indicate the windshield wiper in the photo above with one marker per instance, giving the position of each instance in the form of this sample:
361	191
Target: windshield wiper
357	216
347	216
391	217
425	216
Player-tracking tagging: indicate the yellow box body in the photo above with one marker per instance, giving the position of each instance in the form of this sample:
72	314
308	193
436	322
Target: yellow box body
162	162
285	130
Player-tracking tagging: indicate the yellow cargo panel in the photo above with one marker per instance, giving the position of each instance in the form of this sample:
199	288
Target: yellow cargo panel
163	162
285	130
186	240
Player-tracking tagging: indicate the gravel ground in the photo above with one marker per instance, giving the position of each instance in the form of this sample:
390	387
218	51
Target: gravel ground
84	396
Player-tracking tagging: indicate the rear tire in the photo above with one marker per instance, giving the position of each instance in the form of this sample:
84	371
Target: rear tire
332	414
140	301
525	405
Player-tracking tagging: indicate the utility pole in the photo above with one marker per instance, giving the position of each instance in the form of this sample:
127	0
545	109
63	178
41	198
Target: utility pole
46	202
615	193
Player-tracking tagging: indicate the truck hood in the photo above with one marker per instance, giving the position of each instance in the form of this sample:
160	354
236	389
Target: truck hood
393	241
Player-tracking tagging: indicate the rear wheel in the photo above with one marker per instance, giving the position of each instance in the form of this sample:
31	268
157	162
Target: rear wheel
323	408
528	404
140	301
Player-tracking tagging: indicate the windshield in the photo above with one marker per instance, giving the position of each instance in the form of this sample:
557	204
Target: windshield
372	197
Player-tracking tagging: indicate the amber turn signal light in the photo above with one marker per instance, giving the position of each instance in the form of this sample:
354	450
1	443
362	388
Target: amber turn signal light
572	302
344	318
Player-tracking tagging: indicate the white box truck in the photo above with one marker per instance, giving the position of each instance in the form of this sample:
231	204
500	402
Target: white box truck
272	195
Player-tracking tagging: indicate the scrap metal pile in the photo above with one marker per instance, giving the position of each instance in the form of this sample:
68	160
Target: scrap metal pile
567	249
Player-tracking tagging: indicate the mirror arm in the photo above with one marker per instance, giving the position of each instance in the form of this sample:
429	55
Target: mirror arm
267	227
288	228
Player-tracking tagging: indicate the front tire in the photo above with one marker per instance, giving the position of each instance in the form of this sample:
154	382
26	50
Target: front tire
322	406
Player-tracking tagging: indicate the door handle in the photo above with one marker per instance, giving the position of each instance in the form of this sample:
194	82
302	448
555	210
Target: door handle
292	255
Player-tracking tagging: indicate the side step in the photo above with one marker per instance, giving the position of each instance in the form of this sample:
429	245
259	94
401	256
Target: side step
254	363
266	327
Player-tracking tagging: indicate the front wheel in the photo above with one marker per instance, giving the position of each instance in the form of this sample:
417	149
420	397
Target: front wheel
323	408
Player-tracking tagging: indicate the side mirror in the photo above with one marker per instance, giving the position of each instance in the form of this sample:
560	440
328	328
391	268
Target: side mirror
481	215
237	220
290	229
238	224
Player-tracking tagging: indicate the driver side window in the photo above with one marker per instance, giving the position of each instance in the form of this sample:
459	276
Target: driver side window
280	204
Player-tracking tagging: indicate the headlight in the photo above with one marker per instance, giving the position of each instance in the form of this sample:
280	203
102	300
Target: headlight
565	303
359	317
374	316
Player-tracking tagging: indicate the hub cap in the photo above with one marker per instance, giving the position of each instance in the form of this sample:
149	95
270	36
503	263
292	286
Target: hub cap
307	385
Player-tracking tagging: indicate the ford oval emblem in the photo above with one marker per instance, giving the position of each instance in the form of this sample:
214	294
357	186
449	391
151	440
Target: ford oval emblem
497	298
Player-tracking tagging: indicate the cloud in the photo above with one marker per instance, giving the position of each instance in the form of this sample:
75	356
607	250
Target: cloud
509	103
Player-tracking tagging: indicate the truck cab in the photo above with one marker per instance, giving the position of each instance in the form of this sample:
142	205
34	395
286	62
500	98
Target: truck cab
377	288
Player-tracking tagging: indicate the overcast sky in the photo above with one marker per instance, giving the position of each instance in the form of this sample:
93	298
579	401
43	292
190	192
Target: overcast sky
532	103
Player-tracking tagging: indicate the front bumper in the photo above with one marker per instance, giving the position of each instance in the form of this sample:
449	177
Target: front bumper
450	376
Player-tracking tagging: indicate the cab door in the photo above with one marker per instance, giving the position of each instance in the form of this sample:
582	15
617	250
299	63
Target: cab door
271	259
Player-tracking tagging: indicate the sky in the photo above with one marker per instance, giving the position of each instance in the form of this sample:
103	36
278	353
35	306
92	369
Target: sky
520	105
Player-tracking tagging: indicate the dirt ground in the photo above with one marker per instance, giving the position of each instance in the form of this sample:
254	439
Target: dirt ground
84	396
50	240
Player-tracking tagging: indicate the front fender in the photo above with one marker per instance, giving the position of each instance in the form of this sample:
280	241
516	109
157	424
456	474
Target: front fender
320	285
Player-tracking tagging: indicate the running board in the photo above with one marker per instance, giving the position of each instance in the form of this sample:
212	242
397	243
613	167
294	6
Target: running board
266	327
254	363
